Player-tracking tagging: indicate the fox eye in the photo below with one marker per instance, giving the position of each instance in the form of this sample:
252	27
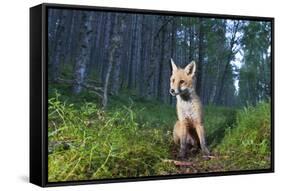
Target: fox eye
182	81
173	80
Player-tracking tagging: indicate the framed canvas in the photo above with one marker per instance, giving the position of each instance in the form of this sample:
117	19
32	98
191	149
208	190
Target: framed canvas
127	94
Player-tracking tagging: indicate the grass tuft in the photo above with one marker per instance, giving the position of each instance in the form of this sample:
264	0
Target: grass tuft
248	145
88	143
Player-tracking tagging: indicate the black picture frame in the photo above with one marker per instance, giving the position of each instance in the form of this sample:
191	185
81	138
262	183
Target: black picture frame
39	85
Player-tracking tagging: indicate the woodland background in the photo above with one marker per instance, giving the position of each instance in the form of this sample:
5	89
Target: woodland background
119	51
109	78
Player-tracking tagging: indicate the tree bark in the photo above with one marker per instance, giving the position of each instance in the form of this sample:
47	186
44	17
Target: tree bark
199	66
84	52
115	44
227	64
191	40
57	55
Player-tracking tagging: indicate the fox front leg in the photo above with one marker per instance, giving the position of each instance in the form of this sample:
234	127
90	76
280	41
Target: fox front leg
182	152
201	135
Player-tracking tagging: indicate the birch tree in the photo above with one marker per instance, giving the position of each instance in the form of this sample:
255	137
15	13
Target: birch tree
83	54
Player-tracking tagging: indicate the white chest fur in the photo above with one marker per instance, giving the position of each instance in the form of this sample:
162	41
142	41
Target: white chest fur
186	109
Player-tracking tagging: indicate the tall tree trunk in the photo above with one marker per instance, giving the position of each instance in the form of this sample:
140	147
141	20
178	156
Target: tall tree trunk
227	64
53	25
127	50
57	55
99	45
105	45
191	40
145	53
68	38
118	55
115	44
200	60
95	50
152	61
161	62
132	64
173	49
84	52
138	60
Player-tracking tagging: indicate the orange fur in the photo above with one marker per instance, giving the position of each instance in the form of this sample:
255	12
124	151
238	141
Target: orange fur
189	109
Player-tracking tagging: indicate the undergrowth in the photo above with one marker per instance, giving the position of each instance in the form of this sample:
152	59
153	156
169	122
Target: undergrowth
133	138
88	143
249	144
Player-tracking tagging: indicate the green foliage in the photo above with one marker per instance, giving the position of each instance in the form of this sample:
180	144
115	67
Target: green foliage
66	70
133	138
216	121
255	73
239	139
248	145
88	143
148	111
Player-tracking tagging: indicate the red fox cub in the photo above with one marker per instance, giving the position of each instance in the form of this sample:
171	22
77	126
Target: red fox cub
189	109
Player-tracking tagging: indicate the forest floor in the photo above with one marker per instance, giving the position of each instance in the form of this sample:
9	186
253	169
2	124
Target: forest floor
133	138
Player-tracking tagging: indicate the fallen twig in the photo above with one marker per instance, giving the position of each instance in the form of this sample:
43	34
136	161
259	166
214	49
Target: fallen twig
209	157
178	163
96	90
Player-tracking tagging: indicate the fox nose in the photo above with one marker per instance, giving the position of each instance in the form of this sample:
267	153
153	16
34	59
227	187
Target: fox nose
172	91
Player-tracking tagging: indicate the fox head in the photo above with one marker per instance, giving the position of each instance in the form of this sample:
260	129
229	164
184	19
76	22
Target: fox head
182	80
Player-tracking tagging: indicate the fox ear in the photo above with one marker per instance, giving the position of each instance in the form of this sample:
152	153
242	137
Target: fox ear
174	66
190	68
